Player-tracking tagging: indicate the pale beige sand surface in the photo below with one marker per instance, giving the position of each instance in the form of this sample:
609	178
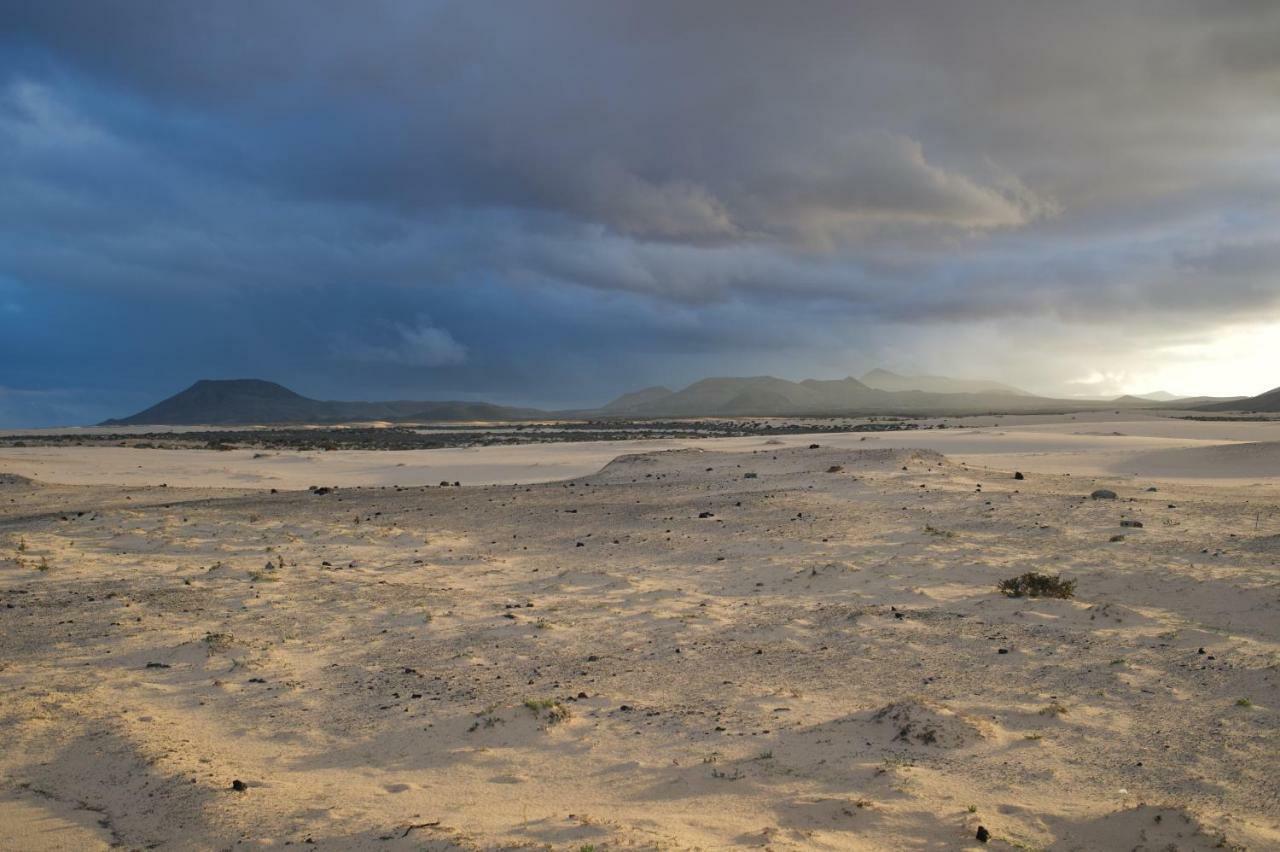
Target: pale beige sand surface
1093	444
666	654
35	823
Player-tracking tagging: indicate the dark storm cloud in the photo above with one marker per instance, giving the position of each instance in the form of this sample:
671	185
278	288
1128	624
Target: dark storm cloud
696	185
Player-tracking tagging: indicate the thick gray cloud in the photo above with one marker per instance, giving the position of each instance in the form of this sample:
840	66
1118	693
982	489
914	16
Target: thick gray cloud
828	184
419	344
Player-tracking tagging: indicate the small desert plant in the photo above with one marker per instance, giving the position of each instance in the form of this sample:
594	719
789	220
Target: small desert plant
932	530
1036	585
486	718
1054	709
556	712
536	705
1243	702
44	564
218	641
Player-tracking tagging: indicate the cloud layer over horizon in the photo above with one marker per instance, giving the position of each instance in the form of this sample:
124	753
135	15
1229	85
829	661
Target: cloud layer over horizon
554	203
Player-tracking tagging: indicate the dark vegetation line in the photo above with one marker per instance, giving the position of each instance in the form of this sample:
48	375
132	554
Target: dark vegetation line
439	437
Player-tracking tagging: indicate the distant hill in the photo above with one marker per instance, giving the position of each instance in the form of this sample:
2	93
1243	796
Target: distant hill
1133	401
254	401
726	397
1269	401
637	399
764	396
1158	396
249	401
885	380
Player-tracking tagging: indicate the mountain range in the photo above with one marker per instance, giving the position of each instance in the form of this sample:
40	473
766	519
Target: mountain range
1263	402
887	381
254	401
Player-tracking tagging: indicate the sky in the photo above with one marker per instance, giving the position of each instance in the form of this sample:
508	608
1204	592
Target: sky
550	203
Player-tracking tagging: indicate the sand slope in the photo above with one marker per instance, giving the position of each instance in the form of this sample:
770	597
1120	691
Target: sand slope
1091	445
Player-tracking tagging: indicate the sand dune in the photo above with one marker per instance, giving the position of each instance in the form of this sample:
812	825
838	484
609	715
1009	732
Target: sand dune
775	646
1252	460
1092	446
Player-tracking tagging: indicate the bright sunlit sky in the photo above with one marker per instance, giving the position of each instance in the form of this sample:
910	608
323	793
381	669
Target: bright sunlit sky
1235	360
470	200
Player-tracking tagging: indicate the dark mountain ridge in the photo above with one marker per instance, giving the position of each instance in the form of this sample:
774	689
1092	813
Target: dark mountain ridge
228	402
1267	401
221	402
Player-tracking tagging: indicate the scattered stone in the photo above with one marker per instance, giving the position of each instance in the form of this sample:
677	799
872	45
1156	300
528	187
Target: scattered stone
1017	474
1129	523
983	835
157	665
917	722
322	490
706	515
1116	538
239	786
835	468
814	446
750	476
1103	494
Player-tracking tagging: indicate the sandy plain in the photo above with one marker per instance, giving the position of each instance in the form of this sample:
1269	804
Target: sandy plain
716	644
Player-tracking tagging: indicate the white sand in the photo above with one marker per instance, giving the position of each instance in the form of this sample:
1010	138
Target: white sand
1095	447
814	666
